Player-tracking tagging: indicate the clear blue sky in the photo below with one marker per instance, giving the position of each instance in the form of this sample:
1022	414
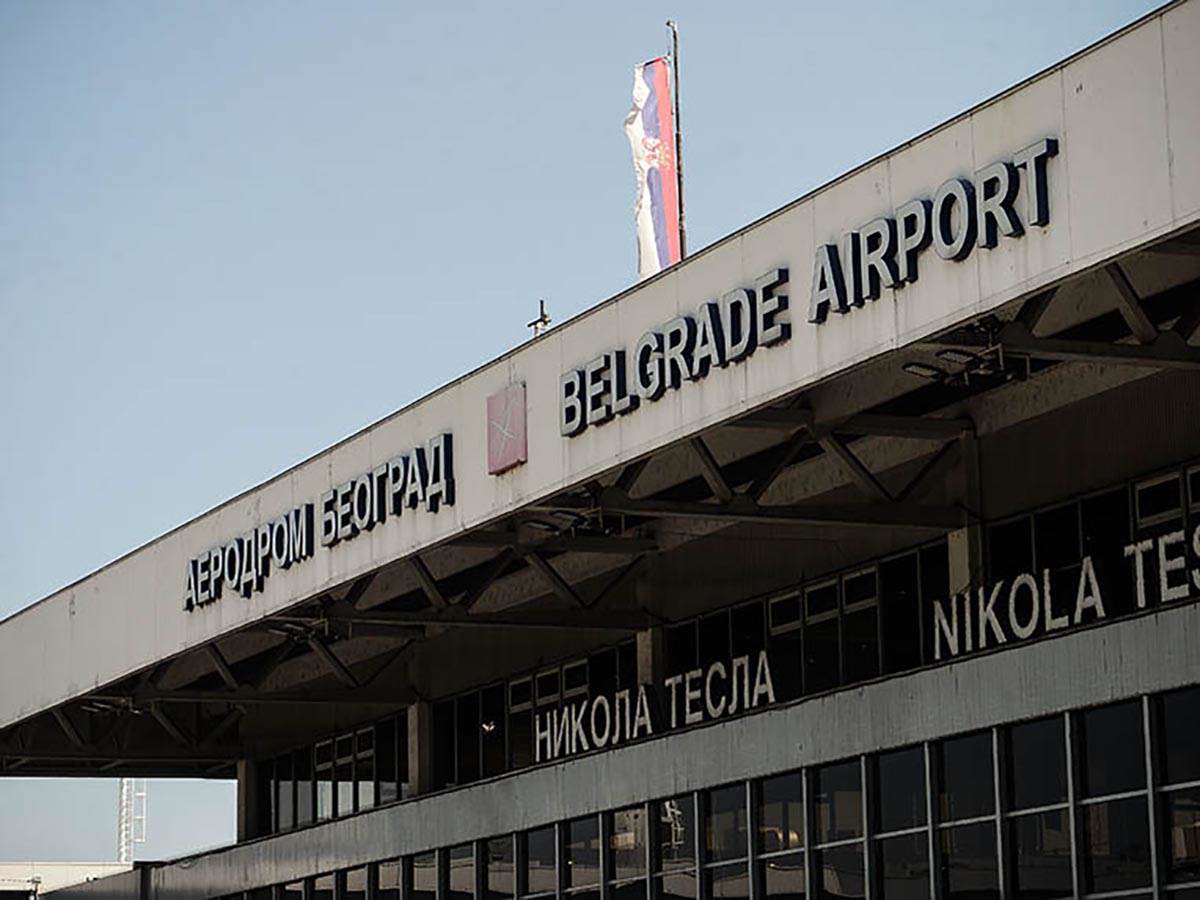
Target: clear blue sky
232	233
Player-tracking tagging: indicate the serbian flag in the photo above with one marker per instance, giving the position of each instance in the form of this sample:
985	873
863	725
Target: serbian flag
650	127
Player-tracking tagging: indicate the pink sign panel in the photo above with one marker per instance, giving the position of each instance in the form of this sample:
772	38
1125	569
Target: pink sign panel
506	443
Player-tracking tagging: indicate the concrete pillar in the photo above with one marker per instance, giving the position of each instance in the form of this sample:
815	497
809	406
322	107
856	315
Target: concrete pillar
966	544
253	801
651	656
420	747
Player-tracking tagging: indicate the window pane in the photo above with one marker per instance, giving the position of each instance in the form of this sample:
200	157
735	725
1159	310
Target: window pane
900	776
680	647
302	771
786	656
364	768
387	881
966	788
323	887
575	678
901	614
783	876
860	644
443	744
602	673
714	639
1010	549
324	775
839	872
1113	754
1041	852
1181	830
424	876
904	867
780	813
345	774
583	852
675	833
491	726
731	882
1179	744
285	811
821	599
628	890
462	872
386	754
1037	773
935	585
838	799
627	843
747	630
725	824
540	875
354	885
467	735
821	671
1105	520
520	737
969	870
546	686
676	886
1116	845
501	871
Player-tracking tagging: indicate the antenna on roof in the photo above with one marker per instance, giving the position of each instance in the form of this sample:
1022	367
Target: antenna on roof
542	322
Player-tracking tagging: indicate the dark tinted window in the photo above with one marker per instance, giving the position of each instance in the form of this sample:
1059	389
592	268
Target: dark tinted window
1037	773
1116	845
582	852
1041	855
443	743
969	870
821	670
461	865
539	862
837	801
901	613
714	639
491	728
1113	753
674	833
501	870
467	738
1105	519
1010	548
965	783
386	758
839	872
731	882
783	876
1181	828
1179	736
747	629
725	824
903	867
780	813
424	876
900	783
681	648
627	843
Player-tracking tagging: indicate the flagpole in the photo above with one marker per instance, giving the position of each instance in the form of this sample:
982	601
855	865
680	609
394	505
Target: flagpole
678	135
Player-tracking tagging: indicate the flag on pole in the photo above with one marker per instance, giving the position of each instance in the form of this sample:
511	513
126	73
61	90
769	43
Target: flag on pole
650	127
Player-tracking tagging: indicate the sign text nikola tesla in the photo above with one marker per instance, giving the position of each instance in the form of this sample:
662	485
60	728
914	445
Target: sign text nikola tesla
422	478
1159	569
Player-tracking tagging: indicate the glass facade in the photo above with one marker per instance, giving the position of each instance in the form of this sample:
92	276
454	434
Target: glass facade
1100	802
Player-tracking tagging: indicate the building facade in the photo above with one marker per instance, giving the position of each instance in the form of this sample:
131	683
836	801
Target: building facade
856	556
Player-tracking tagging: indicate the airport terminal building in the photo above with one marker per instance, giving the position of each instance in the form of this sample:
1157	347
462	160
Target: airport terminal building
856	556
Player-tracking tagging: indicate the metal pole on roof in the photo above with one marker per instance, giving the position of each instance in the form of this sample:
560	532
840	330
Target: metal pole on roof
674	29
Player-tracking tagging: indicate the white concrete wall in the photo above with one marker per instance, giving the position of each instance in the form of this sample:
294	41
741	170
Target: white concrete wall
1127	116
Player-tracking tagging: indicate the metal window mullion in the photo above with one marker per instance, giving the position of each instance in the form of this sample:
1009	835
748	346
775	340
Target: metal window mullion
809	816
698	813
605	829
1072	808
866	794
560	857
1148	750
752	825
998	770
935	882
